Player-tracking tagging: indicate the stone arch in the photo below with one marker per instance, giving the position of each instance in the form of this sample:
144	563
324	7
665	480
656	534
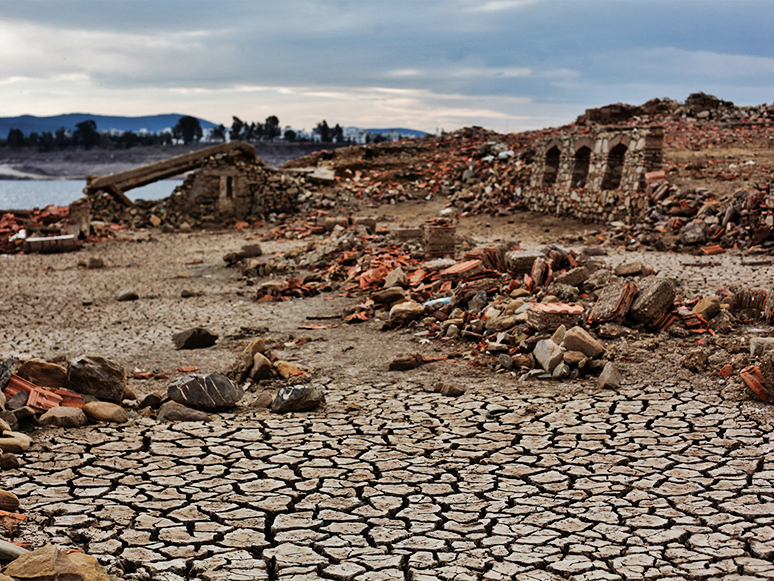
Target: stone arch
551	167
580	168
615	166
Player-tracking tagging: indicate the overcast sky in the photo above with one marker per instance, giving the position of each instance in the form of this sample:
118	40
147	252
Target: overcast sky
507	65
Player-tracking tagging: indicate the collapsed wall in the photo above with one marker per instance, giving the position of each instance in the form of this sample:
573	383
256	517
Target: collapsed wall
227	189
595	176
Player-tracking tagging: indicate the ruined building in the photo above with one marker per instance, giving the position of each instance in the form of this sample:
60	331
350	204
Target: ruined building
229	184
594	176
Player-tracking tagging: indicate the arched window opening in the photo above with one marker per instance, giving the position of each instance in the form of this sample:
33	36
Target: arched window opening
552	166
580	169
615	165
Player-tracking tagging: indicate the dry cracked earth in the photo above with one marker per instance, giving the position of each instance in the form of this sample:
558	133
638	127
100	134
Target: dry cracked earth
650	482
666	478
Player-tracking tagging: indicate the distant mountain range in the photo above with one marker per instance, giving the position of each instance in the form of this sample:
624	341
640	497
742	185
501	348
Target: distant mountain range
399	130
151	123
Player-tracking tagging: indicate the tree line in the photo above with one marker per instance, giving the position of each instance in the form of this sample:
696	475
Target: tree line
187	130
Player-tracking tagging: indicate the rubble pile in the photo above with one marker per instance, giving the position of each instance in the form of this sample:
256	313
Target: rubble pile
227	189
17	226
542	314
697	107
700	222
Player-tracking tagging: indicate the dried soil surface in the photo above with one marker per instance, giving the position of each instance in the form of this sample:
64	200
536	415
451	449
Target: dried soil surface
670	477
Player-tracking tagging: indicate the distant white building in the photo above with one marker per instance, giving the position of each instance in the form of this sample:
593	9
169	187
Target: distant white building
356	135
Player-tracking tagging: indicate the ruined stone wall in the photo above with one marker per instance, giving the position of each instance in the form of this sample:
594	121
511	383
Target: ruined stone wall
595	176
225	191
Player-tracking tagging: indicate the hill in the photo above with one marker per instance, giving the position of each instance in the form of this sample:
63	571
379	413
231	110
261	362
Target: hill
399	131
151	123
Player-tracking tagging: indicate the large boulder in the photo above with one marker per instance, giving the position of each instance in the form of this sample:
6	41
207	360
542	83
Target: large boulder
654	301
102	411
548	354
15	442
297	398
97	376
209	393
50	563
63	417
578	339
43	373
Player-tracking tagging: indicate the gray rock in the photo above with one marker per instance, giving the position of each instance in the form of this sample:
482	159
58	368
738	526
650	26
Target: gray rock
708	307
388	296
209	393
262	368
694	232
10	418
610	378
406	361
450	390
63	417
153	400
406	312
505	360
97	376
127	295
43	373
396	278
654	300
629	269
15	442
297	398
548	354
696	360
102	411
578	339
6	370
561	371
759	345
196	338
575	277
176	412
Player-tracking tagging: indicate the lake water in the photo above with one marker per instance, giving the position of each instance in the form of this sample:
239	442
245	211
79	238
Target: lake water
28	194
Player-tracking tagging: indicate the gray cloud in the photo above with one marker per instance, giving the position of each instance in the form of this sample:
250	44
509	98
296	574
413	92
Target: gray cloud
506	64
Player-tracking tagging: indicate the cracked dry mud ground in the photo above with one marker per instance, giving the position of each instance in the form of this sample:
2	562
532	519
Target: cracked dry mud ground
653	481
670	477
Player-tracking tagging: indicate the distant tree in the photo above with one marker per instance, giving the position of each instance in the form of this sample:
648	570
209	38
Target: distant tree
237	127
290	135
338	134
166	138
252	131
47	142
218	134
324	131
33	139
86	134
62	138
129	139
272	127
15	138
188	129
